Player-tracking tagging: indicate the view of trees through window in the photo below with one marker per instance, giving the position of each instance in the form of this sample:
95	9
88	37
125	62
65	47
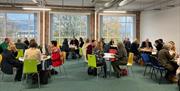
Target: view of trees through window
18	25
68	26
117	27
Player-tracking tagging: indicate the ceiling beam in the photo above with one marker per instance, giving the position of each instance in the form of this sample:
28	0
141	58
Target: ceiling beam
47	5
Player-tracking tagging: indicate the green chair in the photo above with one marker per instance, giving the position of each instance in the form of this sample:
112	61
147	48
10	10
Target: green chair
92	63
80	52
30	67
20	53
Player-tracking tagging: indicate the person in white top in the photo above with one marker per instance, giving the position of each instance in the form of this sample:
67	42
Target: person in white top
33	52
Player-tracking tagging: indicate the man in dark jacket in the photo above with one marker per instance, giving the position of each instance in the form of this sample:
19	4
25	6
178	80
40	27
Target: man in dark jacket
20	45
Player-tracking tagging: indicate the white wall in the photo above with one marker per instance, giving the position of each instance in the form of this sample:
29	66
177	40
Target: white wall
163	24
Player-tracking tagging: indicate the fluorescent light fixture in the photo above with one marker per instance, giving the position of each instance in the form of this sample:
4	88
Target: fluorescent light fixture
35	1
115	11
125	2
43	9
108	4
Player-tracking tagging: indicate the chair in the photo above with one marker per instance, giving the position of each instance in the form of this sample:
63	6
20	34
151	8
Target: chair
30	67
20	53
130	61
146	60
0	58
92	63
63	55
80	51
156	67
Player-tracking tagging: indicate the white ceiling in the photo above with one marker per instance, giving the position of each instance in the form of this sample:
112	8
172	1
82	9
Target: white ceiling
136	5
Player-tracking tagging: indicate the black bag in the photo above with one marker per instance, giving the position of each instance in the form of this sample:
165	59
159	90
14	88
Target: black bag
92	71
44	76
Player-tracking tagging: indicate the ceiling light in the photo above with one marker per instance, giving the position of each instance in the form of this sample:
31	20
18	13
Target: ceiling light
43	9
125	2
115	11
108	4
35	1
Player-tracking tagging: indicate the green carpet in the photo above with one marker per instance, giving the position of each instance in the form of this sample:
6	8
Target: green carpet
78	80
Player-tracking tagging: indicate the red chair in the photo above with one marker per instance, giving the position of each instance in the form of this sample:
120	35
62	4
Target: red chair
113	51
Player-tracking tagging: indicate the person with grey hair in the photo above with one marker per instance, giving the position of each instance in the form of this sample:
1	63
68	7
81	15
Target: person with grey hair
121	58
167	61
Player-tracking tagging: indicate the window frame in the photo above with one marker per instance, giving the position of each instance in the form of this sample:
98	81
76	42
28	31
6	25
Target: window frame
22	12
118	15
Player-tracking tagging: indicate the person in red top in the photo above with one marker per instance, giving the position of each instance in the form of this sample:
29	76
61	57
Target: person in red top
55	54
89	48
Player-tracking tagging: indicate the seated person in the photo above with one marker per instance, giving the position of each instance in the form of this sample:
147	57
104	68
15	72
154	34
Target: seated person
121	58
9	61
33	53
134	49
20	45
167	61
146	47
98	51
55	54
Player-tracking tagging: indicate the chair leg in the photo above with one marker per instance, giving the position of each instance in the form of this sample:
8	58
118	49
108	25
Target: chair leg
145	70
64	70
152	72
2	75
38	80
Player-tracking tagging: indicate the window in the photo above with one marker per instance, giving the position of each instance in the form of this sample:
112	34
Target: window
117	27
67	25
18	25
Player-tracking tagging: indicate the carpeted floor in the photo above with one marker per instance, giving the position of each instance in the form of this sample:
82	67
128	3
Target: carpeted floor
78	80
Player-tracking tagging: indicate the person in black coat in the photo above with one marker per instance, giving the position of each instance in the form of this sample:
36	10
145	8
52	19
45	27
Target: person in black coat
127	44
20	45
65	47
81	42
9	61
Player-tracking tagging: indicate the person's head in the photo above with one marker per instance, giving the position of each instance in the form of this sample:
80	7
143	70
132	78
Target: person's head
172	43
99	45
12	46
161	40
93	42
7	40
111	42
136	41
87	40
33	43
25	38
19	41
54	43
167	46
147	40
120	45
65	40
81	39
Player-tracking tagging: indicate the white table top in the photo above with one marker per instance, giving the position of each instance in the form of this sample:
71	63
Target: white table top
42	58
108	55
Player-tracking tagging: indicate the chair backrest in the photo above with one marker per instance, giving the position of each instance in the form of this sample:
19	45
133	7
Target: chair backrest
0	58
92	60
80	51
145	57
20	53
154	61
130	58
63	55
30	66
